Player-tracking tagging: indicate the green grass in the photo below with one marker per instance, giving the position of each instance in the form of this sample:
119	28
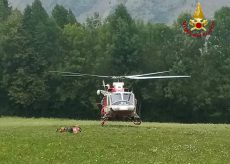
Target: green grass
35	141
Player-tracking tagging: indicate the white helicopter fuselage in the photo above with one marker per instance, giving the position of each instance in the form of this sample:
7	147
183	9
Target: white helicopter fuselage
120	104
117	102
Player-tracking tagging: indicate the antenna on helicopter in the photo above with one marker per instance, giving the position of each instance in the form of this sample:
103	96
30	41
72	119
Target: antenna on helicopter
103	83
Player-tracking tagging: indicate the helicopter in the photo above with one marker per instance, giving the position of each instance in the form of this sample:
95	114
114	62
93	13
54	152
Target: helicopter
118	102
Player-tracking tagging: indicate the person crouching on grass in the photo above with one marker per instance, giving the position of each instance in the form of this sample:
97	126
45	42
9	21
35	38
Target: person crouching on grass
73	129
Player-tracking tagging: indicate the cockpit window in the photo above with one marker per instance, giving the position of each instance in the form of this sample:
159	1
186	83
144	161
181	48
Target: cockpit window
122	99
115	97
128	97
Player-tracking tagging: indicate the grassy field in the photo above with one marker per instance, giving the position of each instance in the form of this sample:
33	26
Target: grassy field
36	141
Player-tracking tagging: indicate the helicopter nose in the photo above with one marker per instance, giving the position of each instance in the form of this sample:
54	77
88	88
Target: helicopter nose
123	108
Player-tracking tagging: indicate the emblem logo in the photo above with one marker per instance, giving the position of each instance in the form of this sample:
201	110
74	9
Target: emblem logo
197	26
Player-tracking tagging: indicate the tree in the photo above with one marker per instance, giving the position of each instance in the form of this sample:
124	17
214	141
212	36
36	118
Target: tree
9	47
216	60
31	51
33	44
71	18
124	48
4	10
63	16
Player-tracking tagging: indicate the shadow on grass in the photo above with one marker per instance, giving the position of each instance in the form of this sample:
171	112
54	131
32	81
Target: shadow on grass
120	126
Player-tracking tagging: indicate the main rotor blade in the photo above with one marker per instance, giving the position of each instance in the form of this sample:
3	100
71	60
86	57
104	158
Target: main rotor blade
157	77
147	74
140	76
72	73
76	75
79	74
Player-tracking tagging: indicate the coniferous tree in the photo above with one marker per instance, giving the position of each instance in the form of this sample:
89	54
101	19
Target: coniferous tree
71	17
124	48
35	52
4	10
62	16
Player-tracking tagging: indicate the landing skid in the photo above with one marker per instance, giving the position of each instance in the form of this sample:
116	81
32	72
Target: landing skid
136	120
103	120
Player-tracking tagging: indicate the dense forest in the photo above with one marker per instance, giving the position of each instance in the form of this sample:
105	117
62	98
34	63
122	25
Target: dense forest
33	43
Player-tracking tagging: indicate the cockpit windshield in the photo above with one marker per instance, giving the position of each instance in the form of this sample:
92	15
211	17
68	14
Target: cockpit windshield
128	97
122	98
115	97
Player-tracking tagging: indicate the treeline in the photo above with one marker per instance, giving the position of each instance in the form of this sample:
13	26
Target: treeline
33	43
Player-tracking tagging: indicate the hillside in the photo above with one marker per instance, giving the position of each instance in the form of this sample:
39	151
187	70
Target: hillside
148	10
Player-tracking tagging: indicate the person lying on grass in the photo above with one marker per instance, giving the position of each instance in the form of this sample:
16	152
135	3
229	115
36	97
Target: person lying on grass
74	129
